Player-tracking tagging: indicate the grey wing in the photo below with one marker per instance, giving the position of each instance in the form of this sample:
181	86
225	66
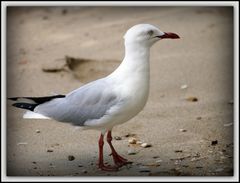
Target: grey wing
89	102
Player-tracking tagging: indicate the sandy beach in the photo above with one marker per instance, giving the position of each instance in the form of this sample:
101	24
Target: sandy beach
188	119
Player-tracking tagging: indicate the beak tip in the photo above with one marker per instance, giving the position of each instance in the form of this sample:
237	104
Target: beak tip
170	35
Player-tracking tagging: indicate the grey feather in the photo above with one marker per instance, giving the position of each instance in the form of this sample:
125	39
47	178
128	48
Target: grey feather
89	102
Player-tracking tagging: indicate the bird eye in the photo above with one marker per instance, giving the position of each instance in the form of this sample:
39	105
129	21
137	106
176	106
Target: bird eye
150	32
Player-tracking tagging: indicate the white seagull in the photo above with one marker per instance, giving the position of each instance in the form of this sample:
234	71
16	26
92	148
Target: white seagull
106	102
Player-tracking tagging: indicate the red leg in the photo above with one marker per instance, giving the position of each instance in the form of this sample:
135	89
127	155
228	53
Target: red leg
118	160
101	163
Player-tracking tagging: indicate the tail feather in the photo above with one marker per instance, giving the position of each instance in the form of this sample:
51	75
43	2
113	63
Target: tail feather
33	115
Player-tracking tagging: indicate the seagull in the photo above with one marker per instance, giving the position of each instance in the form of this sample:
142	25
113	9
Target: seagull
106	102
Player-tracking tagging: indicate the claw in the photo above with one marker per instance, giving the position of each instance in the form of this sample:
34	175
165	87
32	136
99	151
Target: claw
108	168
120	161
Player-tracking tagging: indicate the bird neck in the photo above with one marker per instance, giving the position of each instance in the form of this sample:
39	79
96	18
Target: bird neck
136	52
136	61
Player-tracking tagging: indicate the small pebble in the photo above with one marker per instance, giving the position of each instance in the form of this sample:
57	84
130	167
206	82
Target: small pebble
199	118
184	86
71	158
130	135
182	130
155	157
197	155
192	99
84	171
177	168
56	144
50	150
145	145
35	168
34	162
214	142
144	169
177	162
131	152
38	131
80	165
117	138
139	142
178	151
132	141
220	152
159	161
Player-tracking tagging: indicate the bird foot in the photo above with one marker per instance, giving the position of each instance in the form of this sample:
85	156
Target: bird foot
121	163
119	160
108	168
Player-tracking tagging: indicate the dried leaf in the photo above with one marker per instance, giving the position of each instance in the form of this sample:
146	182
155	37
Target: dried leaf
132	141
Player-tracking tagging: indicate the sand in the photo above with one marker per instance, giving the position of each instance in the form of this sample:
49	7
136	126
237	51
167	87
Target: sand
187	137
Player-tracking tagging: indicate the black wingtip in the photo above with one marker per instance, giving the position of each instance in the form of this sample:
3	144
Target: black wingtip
25	106
36	101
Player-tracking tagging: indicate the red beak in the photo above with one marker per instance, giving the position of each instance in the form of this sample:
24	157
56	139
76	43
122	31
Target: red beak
169	35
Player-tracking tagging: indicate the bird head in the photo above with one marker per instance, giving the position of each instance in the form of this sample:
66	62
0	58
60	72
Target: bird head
146	34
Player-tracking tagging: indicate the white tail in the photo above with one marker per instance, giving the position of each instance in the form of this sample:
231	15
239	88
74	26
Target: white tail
33	115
